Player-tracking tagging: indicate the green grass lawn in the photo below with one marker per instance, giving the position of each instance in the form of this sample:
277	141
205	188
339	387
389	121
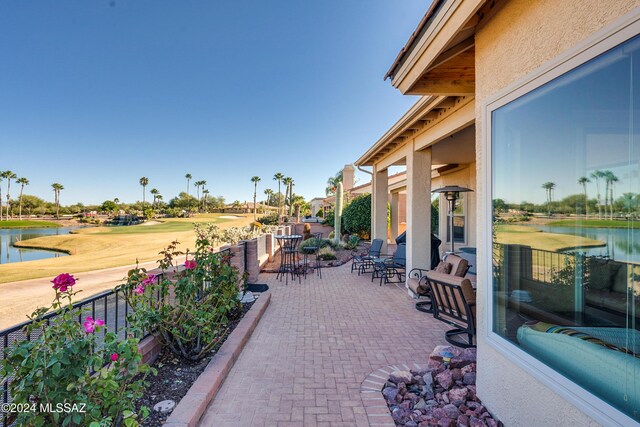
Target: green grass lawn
595	223
537	239
25	223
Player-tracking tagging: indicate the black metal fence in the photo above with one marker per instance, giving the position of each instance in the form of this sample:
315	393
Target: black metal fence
110	306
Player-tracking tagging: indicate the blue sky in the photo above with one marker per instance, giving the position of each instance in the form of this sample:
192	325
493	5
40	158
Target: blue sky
96	94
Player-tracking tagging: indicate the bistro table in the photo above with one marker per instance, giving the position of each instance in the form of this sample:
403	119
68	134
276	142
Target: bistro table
289	263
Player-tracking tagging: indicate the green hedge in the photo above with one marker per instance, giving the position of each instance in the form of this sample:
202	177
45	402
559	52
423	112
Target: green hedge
357	216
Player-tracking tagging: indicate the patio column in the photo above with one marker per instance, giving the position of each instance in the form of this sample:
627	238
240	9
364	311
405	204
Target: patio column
395	215
418	208
379	206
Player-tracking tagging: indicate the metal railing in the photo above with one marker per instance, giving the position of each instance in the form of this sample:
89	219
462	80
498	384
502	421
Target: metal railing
110	306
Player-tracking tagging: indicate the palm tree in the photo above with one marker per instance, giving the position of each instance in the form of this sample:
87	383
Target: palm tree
56	191
197	185
1	176
255	180
291	204
287	187
189	177
22	181
269	193
144	181
549	186
612	180
279	177
583	180
332	183
155	193
596	175
203	183
205	196
9	175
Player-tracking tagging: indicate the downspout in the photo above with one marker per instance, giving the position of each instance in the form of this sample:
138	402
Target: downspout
364	170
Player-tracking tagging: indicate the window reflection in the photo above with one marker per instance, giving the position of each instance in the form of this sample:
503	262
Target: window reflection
566	234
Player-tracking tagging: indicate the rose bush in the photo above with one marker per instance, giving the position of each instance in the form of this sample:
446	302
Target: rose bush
67	362
189	313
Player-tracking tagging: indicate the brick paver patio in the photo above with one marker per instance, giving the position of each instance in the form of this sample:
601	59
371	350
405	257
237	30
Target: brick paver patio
313	348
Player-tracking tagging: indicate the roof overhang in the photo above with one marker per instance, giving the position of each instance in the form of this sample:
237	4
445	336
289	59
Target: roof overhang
424	114
439	57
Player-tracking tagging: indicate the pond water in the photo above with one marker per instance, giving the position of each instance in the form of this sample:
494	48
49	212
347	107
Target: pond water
9	236
622	244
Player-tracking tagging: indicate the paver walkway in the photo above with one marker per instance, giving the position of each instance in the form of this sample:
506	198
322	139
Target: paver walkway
313	348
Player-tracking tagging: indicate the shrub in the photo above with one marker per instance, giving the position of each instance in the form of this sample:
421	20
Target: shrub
327	254
331	235
205	294
353	241
66	364
271	219
329	218
320	213
357	216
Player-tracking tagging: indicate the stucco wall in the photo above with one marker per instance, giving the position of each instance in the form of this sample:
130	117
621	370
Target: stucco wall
522	36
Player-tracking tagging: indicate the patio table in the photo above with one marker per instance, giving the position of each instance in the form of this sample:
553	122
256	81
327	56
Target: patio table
288	257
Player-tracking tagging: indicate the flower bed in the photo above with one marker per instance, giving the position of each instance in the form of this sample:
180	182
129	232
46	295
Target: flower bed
442	394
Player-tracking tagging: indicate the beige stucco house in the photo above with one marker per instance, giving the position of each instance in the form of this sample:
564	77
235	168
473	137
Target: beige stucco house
513	93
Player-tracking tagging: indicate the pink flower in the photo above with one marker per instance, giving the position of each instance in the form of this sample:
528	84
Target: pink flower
139	289
90	324
190	264
149	280
114	357
63	282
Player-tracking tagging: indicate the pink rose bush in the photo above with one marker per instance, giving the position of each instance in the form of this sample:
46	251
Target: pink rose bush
73	360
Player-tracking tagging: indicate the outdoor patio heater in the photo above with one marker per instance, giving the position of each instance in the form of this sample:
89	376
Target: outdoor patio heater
452	193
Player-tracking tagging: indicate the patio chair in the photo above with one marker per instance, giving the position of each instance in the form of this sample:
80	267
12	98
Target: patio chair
417	282
386	268
454	303
363	262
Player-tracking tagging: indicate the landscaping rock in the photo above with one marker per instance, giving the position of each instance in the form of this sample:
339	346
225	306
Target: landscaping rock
443	395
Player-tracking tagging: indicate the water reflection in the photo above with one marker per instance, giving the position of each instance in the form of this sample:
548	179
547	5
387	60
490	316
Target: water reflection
9	236
622	244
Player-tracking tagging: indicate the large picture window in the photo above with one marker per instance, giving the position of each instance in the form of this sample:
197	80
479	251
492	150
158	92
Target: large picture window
566	227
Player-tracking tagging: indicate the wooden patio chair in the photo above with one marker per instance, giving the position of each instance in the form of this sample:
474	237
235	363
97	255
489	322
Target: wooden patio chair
454	303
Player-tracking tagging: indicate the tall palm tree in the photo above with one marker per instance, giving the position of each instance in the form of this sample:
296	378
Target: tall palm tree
255	180
596	175
1	177
612	180
269	193
205	196
158	198
144	181
155	193
57	188
189	177
287	187
279	177
197	184
583	180
549	186
9	175
202	184
22	181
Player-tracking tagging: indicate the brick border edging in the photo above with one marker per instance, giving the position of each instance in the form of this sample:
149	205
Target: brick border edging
192	406
374	403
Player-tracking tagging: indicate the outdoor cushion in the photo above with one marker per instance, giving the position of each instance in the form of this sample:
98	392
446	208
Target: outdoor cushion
601	273
468	293
602	371
459	266
417	287
444	267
